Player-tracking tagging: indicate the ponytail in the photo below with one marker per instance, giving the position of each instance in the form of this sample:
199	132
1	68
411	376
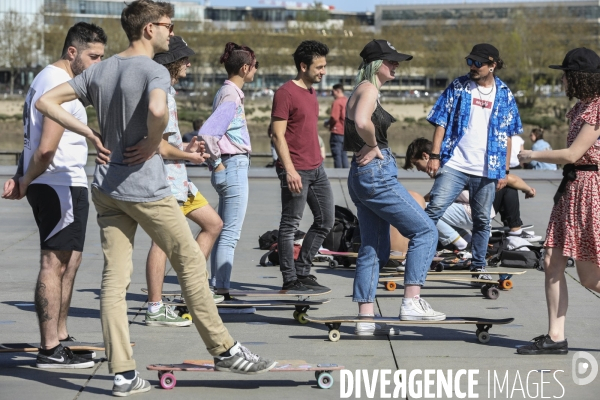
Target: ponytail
368	72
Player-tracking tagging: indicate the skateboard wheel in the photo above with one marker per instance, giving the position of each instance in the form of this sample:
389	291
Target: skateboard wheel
493	293
296	315
168	381
333	264
483	337
439	267
483	290
186	316
334	335
302	318
325	380
570	262
391	286
506	284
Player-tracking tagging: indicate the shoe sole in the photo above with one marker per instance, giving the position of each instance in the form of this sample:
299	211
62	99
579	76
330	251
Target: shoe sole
378	333
217	301
125	394
235	371
89	364
169	324
542	352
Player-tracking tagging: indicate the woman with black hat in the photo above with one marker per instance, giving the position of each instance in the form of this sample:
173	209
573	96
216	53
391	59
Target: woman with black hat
379	198
574	227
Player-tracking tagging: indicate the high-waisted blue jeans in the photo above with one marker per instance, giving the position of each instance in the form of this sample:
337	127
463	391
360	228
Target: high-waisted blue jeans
380	201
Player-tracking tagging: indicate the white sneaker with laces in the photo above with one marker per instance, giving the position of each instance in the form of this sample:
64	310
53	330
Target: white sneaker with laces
417	309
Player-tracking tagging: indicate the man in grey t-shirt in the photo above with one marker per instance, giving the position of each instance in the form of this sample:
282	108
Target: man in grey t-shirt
129	93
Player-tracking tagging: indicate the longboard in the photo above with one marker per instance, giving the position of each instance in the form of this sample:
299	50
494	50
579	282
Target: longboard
35	347
483	324
322	372
301	306
489	288
256	293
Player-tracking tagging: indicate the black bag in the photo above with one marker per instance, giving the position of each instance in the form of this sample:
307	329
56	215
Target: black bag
266	240
530	258
273	255
339	237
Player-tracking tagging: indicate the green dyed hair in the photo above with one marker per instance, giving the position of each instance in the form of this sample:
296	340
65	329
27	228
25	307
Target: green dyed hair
368	72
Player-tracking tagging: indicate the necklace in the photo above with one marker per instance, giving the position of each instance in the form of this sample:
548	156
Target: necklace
486	94
484	102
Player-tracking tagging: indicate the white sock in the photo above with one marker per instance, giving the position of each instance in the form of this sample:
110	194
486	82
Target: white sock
516	233
154	307
406	300
460	243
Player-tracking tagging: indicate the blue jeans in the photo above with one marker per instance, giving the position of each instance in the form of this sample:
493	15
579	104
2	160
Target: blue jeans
448	185
336	143
316	192
380	201
231	185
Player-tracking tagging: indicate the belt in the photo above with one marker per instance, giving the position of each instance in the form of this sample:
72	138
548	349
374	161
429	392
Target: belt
570	174
228	156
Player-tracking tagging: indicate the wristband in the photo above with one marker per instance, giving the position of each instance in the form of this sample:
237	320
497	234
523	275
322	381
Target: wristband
368	145
507	172
434	156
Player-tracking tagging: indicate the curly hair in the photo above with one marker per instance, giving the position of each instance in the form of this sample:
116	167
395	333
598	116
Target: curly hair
415	151
307	51
175	66
582	85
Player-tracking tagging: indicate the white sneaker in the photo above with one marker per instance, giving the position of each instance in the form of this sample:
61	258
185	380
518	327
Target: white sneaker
401	267
530	236
417	309
373	329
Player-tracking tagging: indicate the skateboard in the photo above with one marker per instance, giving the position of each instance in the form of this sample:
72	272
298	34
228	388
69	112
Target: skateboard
482	332
255	293
35	347
504	277
347	258
322	371
489	288
301	306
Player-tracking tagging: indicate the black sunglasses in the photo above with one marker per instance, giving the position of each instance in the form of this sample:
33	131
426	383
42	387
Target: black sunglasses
470	62
256	65
167	25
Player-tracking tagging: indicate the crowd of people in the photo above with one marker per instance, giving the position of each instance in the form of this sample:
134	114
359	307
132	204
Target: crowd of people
141	179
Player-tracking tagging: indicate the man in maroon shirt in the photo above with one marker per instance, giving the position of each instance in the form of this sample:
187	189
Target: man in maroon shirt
294	119
336	126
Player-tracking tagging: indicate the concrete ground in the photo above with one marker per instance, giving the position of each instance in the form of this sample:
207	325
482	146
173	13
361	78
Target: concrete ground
501	373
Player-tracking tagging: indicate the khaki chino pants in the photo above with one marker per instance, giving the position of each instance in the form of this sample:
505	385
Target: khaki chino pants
164	222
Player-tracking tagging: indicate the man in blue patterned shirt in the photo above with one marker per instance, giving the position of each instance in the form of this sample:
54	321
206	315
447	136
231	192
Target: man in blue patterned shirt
474	120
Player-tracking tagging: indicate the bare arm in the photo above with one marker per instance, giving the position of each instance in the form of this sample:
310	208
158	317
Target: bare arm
50	105
169	152
585	139
438	137
158	117
278	127
516	182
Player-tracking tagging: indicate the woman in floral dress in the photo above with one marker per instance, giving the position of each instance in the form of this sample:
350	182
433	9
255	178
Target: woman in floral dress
574	227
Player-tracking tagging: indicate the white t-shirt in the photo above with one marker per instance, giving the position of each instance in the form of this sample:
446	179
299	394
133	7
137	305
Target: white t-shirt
469	154
516	143
67	167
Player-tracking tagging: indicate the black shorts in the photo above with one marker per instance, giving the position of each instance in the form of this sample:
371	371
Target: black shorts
61	214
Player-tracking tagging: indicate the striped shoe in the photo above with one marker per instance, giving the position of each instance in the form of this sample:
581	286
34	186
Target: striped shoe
240	360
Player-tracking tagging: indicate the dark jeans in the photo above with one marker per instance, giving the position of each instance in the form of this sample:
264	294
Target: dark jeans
507	204
340	159
316	191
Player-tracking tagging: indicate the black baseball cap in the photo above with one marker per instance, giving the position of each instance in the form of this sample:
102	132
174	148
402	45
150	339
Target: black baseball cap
484	52
178	49
580	59
382	50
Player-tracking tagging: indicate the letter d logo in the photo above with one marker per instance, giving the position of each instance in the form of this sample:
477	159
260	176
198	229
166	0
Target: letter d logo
582	363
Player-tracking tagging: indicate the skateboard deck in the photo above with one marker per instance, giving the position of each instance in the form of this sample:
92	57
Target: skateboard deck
489	288
443	273
322	371
255	293
483	324
35	347
393	256
301	306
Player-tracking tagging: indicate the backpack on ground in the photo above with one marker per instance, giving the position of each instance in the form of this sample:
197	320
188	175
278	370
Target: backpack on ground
273	255
339	237
516	253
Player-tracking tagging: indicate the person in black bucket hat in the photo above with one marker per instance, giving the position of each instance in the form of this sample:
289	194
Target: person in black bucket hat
574	227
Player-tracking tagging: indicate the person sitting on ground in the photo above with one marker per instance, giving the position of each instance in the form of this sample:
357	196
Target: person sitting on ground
539	144
458	214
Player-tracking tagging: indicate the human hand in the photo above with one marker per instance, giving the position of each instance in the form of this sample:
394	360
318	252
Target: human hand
11	189
524	156
433	165
367	154
294	181
220	167
530	193
102	153
501	183
141	152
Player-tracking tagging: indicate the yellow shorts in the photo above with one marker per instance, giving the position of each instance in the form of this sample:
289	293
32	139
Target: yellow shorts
193	203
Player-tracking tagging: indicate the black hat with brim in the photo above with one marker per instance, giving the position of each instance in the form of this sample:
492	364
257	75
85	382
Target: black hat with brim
484	53
382	50
178	49
580	59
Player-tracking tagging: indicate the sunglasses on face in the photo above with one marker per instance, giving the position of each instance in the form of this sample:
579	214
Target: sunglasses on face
471	62
256	65
167	25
